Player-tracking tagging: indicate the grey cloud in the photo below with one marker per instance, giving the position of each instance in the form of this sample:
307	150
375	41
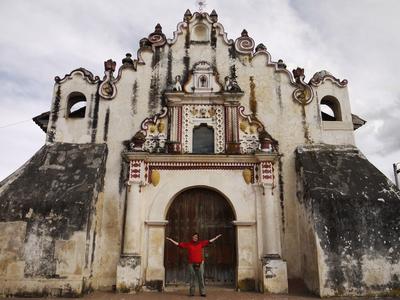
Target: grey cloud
351	39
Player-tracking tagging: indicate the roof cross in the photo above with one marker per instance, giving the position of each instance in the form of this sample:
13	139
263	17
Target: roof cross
202	4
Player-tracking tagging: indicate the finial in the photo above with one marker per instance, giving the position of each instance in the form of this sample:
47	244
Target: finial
158	28
202	4
127	60
298	74
261	47
187	16
281	64
214	16
244	33
109	65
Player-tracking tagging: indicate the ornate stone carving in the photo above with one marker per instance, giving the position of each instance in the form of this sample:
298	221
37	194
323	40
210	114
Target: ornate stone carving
231	85
194	115
157	38
323	75
177	86
107	89
87	75
202	80
304	93
266	172
252	135
244	44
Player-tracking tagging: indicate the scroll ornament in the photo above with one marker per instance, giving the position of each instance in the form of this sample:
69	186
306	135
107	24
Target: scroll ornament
304	93
107	89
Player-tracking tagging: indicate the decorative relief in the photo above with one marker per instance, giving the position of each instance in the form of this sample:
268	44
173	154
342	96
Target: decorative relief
244	44
203	79
231	85
153	134
136	171
266	171
213	116
156	132
157	38
144	173
107	89
323	75
303	94
252	135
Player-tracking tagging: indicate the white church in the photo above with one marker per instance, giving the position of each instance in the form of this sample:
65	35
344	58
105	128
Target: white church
199	133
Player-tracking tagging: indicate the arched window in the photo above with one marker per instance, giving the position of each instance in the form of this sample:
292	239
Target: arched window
330	109
76	106
203	139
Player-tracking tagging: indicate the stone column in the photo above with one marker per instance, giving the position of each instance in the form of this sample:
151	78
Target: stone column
129	266
132	230
247	255
271	238
155	271
274	268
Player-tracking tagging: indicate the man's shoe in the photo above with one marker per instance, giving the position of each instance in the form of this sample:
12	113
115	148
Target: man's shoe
203	295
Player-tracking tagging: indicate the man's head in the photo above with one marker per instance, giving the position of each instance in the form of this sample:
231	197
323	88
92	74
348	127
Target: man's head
195	237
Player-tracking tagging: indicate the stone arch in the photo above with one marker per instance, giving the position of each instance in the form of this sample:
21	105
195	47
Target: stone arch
76	105
169	188
208	212
204	187
330	109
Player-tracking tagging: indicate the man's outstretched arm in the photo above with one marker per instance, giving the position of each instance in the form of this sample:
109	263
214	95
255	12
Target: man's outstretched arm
172	241
215	238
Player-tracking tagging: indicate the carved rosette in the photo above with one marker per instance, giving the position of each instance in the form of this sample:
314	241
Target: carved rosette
304	93
244	44
107	89
157	38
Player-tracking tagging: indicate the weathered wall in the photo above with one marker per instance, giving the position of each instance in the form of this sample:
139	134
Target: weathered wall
141	93
47	211
354	213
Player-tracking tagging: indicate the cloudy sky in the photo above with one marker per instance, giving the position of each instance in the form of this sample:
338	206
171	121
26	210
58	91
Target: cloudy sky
357	40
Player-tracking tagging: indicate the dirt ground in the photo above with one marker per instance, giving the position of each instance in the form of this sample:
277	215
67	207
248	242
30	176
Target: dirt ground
212	293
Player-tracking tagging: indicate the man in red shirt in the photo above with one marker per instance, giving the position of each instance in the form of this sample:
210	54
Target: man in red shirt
196	262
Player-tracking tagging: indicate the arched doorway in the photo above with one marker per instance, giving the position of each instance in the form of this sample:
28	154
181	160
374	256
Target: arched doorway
207	212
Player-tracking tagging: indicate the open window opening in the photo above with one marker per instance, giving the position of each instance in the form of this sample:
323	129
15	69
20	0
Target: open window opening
76	107
330	109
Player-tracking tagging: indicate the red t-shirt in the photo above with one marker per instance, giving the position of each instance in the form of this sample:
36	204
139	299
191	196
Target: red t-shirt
195	253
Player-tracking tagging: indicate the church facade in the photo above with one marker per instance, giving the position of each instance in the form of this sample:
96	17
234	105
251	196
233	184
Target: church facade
199	133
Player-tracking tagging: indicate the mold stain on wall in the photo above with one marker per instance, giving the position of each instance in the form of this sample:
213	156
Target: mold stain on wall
134	98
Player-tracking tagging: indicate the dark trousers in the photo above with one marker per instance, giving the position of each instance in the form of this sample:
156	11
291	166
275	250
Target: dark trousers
196	274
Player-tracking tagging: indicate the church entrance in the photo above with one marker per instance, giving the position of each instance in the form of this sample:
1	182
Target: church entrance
207	212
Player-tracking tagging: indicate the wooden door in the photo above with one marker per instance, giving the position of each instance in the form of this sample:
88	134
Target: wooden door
208	213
